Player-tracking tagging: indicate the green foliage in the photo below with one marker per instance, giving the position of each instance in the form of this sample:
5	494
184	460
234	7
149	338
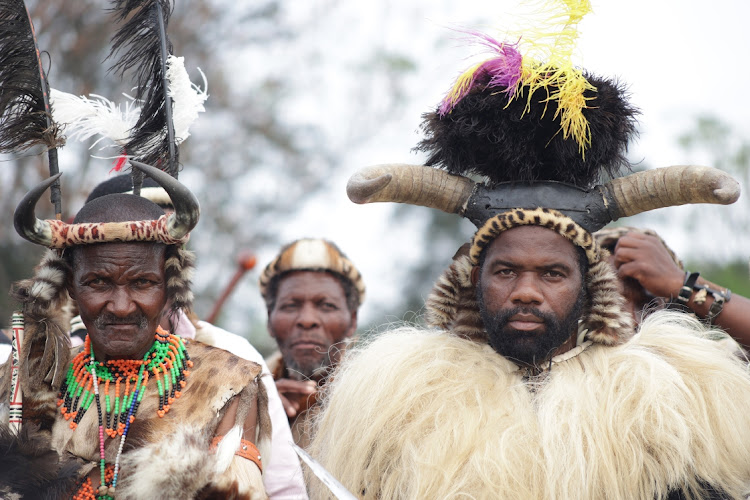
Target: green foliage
734	275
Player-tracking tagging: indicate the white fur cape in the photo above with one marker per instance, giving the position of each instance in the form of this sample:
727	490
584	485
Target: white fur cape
425	414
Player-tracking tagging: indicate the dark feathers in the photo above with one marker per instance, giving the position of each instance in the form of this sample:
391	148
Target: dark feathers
25	119
25	112
485	135
143	44
31	468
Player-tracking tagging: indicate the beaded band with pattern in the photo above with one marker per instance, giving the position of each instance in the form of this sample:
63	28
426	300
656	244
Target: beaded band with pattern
67	235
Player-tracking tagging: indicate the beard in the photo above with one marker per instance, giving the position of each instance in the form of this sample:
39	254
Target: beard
529	347
308	368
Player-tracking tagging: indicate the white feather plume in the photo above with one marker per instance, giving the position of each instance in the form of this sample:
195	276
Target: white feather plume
86	117
187	97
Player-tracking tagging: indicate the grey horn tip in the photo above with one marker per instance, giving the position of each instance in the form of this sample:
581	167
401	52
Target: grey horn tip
361	188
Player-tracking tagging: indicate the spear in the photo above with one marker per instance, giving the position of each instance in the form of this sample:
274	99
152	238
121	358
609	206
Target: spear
245	262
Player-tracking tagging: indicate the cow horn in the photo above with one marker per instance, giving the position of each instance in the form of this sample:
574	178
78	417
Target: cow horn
186	207
24	218
666	187
413	184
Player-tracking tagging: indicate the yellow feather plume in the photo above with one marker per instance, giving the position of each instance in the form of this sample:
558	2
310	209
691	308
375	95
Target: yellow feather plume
462	84
554	42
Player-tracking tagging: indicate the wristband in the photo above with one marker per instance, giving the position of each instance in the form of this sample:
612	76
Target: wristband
720	298
683	297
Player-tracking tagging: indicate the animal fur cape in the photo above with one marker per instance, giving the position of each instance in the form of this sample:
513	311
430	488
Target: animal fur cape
427	414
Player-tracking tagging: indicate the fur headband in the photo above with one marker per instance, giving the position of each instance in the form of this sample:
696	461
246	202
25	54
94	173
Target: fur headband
452	304
67	235
311	254
545	217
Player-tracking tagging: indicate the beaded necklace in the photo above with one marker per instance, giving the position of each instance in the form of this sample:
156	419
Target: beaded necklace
167	360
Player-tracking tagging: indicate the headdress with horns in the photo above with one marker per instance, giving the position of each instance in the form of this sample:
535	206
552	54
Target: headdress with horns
541	133
148	50
152	138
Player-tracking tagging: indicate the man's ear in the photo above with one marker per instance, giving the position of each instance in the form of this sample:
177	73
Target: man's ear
69	286
353	326
475	275
268	326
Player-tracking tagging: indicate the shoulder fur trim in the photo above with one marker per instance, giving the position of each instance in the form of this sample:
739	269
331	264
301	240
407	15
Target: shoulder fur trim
606	318
651	416
176	467
452	303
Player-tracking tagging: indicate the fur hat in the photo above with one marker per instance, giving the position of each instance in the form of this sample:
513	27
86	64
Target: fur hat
150	189
311	254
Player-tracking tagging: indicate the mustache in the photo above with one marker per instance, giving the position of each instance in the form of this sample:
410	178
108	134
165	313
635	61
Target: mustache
105	319
502	317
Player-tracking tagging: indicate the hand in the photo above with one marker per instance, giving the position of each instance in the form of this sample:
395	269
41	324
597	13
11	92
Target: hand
294	394
644	258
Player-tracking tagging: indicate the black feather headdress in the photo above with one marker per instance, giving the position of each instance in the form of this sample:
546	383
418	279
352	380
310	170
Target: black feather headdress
487	133
513	118
25	112
145	47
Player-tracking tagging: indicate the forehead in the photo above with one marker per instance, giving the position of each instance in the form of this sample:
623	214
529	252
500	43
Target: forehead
300	283
532	244
106	256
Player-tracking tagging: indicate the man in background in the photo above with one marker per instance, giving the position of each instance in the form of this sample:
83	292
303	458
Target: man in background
312	293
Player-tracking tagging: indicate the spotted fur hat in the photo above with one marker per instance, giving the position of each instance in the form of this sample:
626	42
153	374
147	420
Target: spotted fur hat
311	254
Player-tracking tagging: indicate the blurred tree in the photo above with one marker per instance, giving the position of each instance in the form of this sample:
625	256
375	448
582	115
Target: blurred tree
717	144
442	235
722	147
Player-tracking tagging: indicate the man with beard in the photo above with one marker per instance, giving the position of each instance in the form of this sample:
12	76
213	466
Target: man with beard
312	293
530	289
532	382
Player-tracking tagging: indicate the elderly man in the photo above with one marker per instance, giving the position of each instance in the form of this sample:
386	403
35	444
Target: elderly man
283	476
533	383
312	293
140	412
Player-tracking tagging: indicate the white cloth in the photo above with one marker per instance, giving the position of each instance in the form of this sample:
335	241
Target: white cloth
4	352
282	475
